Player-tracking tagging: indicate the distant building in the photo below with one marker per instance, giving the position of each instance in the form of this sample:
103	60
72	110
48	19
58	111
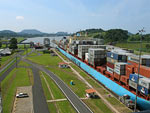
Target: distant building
46	42
90	93
5	52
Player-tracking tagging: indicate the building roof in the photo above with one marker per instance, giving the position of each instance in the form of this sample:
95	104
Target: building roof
90	90
61	63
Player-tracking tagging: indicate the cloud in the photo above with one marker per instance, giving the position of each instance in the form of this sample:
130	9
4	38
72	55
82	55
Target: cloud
19	18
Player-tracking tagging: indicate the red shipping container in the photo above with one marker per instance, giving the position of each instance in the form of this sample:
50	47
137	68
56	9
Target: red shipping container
145	71
130	67
110	65
134	63
102	69
117	76
124	79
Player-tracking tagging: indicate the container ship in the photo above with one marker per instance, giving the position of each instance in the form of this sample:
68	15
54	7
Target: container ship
115	68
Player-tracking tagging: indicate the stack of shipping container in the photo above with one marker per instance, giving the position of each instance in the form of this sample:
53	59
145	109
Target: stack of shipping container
73	45
145	60
143	84
116	64
119	71
64	43
97	56
144	64
82	49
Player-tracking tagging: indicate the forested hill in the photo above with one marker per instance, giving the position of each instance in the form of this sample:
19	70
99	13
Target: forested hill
113	35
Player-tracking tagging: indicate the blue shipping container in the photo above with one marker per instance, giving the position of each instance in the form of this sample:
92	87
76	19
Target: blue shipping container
143	90
117	56
134	77
108	54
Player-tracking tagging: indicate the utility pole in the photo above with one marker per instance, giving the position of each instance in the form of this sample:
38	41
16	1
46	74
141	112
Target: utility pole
1	105
16	59
26	51
0	60
140	33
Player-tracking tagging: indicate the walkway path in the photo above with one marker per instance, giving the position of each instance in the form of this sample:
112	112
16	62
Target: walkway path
63	99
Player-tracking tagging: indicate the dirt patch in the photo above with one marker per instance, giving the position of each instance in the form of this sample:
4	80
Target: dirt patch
24	105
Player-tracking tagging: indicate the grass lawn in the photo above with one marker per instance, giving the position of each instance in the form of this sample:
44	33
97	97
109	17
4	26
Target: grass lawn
64	106
97	106
27	51
21	46
55	90
65	74
46	59
5	59
33	54
7	67
19	39
22	63
16	78
135	46
45	88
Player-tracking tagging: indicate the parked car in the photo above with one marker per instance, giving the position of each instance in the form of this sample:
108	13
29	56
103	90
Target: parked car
22	95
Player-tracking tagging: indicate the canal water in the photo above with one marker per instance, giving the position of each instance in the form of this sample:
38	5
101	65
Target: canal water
41	39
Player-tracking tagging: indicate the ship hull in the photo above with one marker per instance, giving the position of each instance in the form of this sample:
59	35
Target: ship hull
111	85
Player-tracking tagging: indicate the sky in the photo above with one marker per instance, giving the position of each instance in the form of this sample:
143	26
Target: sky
73	15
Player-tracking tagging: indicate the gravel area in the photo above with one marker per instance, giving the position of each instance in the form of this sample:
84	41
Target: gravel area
24	105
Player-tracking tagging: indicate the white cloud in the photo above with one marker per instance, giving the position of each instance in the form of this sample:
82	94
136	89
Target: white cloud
19	18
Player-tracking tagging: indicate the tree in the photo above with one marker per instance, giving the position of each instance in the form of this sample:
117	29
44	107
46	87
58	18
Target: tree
13	43
116	35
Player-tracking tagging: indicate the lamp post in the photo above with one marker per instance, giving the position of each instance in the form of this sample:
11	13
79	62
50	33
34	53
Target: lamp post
16	59
140	32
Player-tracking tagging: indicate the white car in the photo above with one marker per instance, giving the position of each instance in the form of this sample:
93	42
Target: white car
22	95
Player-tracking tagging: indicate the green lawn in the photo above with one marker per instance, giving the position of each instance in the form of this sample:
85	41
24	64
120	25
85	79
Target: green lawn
55	90
7	67
22	63
27	51
65	74
33	54
46	59
97	106
19	39
45	88
135	46
18	77
64	106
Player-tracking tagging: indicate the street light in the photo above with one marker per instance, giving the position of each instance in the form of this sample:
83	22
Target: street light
140	32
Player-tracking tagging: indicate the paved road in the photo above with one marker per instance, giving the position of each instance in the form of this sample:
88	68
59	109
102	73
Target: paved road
71	96
2	77
39	100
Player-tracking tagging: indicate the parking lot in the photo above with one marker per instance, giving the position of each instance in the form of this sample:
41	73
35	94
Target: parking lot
24	105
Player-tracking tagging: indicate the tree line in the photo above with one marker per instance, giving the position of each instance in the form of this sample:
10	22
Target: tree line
115	35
